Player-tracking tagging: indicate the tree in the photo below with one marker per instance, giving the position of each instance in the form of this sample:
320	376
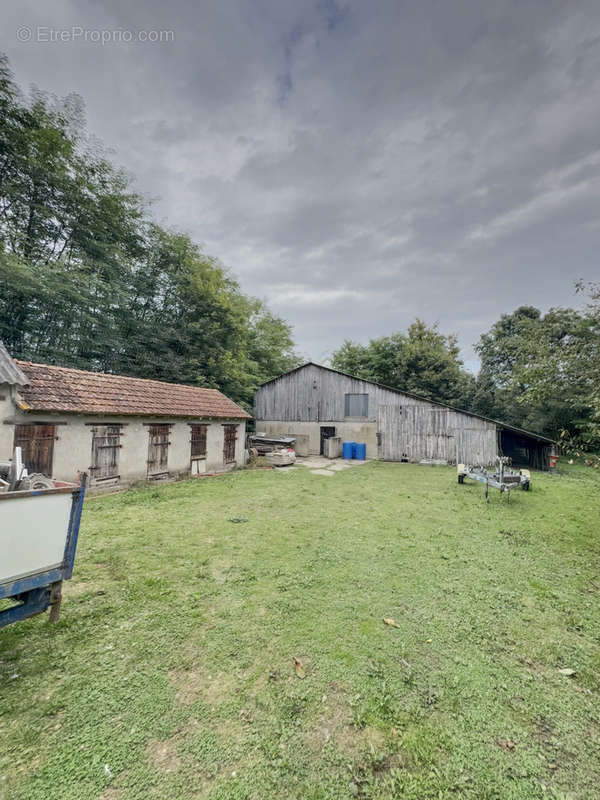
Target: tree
423	361
542	371
88	280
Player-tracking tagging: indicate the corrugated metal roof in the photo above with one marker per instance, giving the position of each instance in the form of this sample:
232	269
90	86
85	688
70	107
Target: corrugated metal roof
9	371
503	425
52	388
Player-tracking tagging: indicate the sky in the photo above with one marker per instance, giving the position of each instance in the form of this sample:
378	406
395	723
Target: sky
354	164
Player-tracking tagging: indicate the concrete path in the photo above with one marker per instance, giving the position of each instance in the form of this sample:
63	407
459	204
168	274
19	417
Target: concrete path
319	465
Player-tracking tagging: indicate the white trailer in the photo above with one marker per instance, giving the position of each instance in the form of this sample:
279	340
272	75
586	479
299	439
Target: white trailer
38	540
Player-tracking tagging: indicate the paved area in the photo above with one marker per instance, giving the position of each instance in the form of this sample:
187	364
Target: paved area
319	465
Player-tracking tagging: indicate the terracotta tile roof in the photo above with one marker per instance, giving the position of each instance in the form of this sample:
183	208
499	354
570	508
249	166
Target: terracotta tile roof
78	391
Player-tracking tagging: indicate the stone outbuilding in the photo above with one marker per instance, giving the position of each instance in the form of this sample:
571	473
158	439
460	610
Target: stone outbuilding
118	429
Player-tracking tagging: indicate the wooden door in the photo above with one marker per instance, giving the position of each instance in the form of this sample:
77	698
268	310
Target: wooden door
158	450
229	439
414	433
392	444
476	446
106	443
37	445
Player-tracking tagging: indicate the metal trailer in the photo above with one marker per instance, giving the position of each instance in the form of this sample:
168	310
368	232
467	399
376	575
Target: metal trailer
38	540
501	477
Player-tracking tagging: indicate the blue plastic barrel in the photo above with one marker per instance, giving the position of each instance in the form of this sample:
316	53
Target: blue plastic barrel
347	449
360	451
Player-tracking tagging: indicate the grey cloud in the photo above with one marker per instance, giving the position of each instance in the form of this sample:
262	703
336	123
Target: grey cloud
355	164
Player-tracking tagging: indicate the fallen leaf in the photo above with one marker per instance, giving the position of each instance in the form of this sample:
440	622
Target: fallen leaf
299	668
568	672
391	622
506	744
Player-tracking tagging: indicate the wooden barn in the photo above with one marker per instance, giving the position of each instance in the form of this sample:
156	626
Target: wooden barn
313	403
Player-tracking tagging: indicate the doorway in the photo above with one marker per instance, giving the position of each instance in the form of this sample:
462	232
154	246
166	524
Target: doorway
158	451
326	433
229	440
37	447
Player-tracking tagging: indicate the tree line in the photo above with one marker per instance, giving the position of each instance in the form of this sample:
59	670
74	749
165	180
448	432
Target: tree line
538	371
88	279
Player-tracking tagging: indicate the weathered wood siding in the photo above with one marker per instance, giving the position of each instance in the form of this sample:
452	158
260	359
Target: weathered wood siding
313	394
407	427
415	433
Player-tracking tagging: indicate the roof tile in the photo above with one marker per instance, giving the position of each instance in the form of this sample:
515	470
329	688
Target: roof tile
77	391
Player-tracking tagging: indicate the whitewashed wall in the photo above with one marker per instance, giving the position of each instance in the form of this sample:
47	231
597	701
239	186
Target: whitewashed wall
73	448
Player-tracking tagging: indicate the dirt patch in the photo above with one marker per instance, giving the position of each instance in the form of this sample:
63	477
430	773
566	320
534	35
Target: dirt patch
111	793
162	755
221	570
198	683
334	724
75	588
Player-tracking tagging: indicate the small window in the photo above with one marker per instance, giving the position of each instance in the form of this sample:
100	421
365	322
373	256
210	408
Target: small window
198	449
357	405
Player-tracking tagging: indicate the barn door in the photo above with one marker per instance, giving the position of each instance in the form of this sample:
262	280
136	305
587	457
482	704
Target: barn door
37	445
414	433
476	446
106	443
158	450
229	438
392	444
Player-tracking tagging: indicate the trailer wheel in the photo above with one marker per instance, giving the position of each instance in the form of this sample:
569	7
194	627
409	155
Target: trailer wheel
461	478
525	486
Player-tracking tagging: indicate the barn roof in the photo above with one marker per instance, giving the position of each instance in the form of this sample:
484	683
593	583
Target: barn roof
503	425
63	389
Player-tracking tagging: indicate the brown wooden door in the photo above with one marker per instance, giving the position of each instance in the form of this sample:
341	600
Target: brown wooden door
37	445
105	451
198	441
229	439
158	449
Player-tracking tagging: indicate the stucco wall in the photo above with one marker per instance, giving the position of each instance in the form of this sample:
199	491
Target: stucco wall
349	431
73	447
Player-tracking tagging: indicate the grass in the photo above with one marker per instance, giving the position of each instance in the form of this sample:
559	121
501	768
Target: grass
171	673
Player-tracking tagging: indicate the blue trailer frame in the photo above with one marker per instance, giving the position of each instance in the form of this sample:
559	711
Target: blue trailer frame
34	594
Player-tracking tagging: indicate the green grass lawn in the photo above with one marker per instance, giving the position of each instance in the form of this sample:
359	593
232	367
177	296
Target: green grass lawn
171	672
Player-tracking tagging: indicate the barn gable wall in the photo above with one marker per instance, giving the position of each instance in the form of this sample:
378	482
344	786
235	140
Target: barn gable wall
314	394
425	430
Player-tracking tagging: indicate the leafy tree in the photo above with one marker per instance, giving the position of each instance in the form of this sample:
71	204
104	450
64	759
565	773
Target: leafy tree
87	279
423	361
542	371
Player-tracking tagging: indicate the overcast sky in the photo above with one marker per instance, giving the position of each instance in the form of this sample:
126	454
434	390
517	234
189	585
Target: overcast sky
355	164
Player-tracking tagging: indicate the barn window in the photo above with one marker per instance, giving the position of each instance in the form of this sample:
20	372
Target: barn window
37	447
229	438
106	444
158	450
198	440
356	405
